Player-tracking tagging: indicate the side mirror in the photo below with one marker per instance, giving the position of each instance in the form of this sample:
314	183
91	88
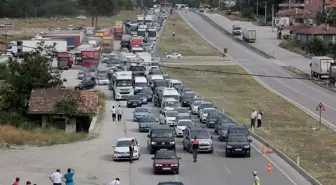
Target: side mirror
179	158
113	146
187	137
211	137
250	140
148	136
152	158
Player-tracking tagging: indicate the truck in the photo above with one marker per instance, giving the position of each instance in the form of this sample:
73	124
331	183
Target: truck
320	66
78	36
152	33
78	52
136	41
90	57
149	18
137	49
104	33
64	60
119	24
142	29
107	45
236	30
145	57
126	41
122	86
95	41
117	32
249	35
332	73
30	45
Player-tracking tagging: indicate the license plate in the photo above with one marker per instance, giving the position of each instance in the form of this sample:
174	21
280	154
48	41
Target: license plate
166	168
203	147
238	149
134	103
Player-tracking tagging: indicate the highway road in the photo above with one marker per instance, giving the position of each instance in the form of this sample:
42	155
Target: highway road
303	94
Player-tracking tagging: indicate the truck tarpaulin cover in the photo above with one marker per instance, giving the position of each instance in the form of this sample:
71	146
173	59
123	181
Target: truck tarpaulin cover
117	29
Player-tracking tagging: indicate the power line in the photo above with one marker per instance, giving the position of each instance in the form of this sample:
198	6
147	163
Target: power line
242	74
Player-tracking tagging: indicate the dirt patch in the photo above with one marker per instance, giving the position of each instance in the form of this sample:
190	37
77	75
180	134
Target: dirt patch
186	41
284	125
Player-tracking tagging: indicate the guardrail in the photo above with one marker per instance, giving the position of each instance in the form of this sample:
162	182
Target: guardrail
242	42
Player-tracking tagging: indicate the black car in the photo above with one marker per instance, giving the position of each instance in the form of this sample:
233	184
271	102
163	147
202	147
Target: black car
148	91
159	83
86	84
146	122
222	131
186	98
185	89
221	121
160	137
238	144
134	101
211	119
170	183
138	70
143	97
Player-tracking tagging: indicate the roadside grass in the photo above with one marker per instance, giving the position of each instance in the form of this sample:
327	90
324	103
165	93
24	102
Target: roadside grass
284	125
37	137
199	59
186	41
102	107
233	16
290	47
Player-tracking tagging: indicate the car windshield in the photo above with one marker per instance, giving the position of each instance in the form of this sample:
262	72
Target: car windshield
142	95
207	111
147	119
171	114
237	28
224	120
189	94
183	117
140	84
102	78
137	68
238	138
141	110
182	110
162	133
197	103
178	86
238	130
160	83
208	105
172	104
165	155
135	97
200	134
185	123
124	83
123	143
155	72
214	115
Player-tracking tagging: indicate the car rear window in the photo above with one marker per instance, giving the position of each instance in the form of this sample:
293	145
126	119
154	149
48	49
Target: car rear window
135	97
238	130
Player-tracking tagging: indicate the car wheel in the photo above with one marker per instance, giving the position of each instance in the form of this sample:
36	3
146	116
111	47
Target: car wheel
168	57
189	149
248	155
227	154
211	151
178	57
177	172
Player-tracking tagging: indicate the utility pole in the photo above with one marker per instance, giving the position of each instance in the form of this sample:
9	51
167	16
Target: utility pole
273	18
257	7
265	11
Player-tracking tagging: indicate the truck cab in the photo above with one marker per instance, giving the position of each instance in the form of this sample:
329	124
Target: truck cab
107	46
142	29
63	60
117	32
332	73
236	30
122	85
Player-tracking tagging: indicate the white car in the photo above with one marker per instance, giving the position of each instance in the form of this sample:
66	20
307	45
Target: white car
168	117
174	56
121	149
182	124
81	17
194	107
205	114
102	81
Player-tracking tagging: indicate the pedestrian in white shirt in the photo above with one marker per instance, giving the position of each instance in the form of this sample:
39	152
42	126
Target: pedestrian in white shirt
253	118
260	114
119	113
115	182
114	111
56	177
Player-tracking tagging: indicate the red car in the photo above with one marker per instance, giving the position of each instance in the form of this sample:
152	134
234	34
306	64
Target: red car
166	161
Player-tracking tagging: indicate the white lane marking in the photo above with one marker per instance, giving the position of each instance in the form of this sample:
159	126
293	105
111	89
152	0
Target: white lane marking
227	170
283	172
290	100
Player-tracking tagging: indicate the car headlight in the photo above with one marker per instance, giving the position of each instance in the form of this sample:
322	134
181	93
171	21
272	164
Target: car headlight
174	165
228	146
247	146
172	142
158	164
117	152
153	143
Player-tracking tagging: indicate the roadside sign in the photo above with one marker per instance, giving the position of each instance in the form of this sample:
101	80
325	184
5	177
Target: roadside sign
320	107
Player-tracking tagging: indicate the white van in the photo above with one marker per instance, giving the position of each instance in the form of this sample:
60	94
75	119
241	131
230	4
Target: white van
139	83
178	85
169	104
171	93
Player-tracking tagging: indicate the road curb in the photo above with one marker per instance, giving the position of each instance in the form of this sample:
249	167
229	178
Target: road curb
306	75
252	48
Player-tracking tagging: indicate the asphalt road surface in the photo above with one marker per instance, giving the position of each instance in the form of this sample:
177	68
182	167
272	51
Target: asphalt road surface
303	94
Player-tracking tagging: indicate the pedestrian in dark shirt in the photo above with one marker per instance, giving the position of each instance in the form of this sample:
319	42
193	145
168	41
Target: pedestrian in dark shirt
195	147
259	117
131	150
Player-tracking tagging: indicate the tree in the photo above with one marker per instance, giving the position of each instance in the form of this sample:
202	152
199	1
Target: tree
332	50
97	8
317	47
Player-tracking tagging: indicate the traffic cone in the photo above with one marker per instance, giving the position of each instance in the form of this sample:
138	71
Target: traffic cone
263	150
269	168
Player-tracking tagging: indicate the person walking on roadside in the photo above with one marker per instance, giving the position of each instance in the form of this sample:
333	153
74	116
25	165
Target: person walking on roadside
17	180
56	177
256	180
195	147
115	182
113	113
131	150
253	118
120	113
68	177
259	117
